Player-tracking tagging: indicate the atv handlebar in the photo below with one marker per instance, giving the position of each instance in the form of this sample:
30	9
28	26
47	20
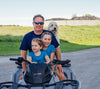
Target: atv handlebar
55	61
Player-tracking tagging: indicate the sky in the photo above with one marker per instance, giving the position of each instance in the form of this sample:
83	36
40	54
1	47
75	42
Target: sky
21	12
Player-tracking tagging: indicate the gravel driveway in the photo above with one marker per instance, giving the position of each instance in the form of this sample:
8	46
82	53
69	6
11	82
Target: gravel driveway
85	64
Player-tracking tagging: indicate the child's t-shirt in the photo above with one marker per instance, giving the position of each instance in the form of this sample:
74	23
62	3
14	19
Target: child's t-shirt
38	59
49	50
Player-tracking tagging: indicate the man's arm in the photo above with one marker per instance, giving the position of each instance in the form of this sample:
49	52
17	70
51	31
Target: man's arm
24	55
58	53
58	56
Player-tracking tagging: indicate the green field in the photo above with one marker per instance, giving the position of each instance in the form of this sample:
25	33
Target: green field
72	38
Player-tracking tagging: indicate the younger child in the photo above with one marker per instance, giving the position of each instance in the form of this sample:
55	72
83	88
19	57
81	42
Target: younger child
38	56
50	50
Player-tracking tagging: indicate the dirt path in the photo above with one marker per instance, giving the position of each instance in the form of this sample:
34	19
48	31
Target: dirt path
85	64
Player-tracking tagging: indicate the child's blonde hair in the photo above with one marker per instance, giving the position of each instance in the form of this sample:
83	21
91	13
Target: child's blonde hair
46	33
39	41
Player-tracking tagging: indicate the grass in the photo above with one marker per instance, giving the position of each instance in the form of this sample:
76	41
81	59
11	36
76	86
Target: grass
72	38
66	46
83	35
14	30
9	48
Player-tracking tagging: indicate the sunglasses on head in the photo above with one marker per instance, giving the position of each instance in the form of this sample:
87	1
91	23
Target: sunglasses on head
41	23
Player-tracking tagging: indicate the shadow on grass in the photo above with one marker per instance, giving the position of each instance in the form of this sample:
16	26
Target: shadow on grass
66	46
9	38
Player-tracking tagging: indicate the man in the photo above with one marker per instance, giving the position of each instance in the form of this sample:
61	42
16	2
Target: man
38	23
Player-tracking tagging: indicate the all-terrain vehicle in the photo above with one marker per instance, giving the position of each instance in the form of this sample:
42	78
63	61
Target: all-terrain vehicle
40	76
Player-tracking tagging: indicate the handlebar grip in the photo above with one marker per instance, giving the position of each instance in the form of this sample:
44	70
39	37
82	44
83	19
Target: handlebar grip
13	59
19	59
65	62
62	62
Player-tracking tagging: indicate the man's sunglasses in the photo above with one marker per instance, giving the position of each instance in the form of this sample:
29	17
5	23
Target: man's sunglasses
41	23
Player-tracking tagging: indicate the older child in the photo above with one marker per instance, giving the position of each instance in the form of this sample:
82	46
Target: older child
38	56
50	50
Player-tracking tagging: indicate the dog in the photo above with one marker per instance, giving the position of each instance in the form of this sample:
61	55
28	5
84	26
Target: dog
53	27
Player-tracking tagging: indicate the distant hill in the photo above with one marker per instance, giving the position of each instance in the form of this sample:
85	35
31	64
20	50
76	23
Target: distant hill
55	19
86	17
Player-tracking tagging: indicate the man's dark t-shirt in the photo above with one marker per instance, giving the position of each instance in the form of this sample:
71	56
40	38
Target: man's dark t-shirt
26	42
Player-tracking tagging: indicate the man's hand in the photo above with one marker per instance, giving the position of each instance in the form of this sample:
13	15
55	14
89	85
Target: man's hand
21	76
59	67
24	68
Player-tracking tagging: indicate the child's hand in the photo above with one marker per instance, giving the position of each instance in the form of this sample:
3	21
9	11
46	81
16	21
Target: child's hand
45	63
34	62
21	75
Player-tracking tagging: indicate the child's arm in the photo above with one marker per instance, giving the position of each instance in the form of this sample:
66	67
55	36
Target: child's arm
52	56
30	59
47	59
